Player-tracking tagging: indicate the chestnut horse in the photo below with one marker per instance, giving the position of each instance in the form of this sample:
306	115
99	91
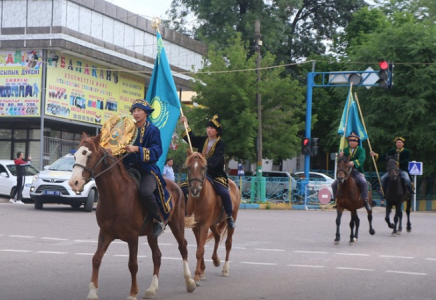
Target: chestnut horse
206	206
396	193
348	197
120	214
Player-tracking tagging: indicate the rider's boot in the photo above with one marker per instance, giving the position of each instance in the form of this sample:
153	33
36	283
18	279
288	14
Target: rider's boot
158	226
366	204
230	222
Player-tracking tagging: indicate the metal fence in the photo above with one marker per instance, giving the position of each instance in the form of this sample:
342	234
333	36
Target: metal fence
278	189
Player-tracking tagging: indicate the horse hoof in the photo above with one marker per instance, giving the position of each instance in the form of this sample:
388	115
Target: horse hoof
371	231
391	226
202	277
337	242
131	298
409	230
149	294
191	286
217	263
351	243
226	274
197	284
399	232
394	234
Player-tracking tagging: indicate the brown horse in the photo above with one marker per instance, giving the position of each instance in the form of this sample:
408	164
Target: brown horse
348	197
206	206
396	193
120	214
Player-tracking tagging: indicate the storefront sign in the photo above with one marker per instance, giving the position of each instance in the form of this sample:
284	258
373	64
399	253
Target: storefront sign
20	83
84	91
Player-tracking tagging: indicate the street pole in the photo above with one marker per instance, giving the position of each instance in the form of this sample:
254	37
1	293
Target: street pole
259	110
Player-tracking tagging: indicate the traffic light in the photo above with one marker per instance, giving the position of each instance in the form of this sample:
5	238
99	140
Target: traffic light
305	146
383	75
386	74
314	146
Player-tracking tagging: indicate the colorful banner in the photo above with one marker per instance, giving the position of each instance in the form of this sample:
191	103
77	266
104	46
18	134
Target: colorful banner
20	83
84	91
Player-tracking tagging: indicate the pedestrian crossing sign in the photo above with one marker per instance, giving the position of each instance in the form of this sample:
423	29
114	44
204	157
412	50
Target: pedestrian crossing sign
415	168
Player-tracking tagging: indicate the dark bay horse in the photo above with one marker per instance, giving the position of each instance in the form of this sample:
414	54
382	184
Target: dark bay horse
206	206
396	193
348	197
120	214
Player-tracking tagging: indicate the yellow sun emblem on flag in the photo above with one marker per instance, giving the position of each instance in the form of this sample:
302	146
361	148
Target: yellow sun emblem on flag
159	116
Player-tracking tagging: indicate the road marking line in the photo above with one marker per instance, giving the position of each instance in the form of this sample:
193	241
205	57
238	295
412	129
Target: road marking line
255	263
174	258
407	273
53	239
354	269
84	241
83	253
393	256
277	250
429	258
51	252
305	266
239	248
352	254
22	236
14	250
310	252
121	255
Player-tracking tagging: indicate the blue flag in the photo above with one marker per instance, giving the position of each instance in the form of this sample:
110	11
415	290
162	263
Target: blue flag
162	96
351	123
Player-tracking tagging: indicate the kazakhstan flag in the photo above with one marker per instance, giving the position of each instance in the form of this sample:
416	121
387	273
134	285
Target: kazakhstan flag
162	96
351	122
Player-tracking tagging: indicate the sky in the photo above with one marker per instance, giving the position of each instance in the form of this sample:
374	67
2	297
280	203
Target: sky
144	8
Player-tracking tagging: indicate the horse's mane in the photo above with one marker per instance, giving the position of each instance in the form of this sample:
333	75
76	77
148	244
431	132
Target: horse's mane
343	158
195	155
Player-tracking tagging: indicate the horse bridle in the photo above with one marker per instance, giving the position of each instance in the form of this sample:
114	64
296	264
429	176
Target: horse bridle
102	159
197	179
347	173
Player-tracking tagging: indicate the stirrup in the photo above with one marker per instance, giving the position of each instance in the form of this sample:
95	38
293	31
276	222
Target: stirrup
230	222
158	228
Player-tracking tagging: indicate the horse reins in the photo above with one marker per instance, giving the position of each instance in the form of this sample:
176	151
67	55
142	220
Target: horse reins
102	159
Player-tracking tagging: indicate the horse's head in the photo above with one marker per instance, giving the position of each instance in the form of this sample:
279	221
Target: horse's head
88	158
343	169
392	168
197	166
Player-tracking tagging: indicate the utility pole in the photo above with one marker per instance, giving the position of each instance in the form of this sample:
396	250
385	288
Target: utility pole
259	110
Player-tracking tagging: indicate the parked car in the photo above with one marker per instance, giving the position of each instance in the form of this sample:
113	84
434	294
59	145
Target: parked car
8	179
317	181
51	186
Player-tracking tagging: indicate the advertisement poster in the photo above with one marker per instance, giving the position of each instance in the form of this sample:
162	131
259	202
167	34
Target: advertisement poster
84	91
20	83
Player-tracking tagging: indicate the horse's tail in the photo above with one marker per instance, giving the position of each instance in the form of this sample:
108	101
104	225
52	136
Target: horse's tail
222	230
190	221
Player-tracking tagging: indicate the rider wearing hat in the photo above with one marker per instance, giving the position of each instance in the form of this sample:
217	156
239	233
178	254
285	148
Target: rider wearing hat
143	155
357	157
212	148
402	155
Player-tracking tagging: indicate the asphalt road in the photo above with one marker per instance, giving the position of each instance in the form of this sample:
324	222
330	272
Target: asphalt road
276	255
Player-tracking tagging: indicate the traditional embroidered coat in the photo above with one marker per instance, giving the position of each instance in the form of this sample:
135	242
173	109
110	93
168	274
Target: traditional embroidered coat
403	157
358	157
215	156
150	149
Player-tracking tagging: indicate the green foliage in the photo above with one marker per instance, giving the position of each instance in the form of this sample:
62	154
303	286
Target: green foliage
225	87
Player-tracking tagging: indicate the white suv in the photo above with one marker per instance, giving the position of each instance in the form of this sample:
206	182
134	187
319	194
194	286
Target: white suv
51	186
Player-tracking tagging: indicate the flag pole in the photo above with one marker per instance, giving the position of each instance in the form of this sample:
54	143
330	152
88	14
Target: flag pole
156	21
369	144
346	117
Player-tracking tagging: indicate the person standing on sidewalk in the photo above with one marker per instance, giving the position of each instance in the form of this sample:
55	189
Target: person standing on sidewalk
20	165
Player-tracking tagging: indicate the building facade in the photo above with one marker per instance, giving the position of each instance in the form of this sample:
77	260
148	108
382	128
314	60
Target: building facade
68	65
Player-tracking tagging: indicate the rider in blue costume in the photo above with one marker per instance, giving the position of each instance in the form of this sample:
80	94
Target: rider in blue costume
143	155
212	148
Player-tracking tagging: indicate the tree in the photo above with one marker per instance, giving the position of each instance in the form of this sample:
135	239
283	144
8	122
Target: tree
291	29
227	86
